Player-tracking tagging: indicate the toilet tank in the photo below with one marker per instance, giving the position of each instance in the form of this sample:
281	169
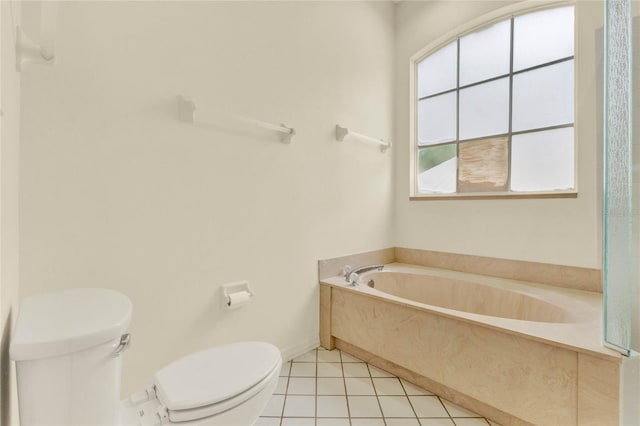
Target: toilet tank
67	347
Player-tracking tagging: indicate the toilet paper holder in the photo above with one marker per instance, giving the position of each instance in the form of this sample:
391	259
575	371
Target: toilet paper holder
236	294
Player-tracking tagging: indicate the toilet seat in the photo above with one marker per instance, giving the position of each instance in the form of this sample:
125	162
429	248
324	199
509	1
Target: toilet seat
215	380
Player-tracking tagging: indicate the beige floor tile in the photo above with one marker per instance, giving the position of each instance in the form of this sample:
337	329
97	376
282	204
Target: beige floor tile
329	369
396	406
332	406
329	356
303	369
355	369
302	386
412	389
364	406
388	386
377	372
428	406
330	386
300	406
306	357
332	422
298	421
367	422
274	406
359	386
286	368
401	422
281	387
267	421
436	422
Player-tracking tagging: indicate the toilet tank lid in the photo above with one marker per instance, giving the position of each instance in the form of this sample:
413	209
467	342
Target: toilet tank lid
67	321
215	375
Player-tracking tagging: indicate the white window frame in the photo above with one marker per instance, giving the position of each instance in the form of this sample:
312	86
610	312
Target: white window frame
459	32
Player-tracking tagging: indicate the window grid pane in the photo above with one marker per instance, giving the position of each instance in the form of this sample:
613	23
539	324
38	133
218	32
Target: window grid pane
437	119
483	165
485	53
437	169
484	110
463	170
436	73
543	161
543	97
543	36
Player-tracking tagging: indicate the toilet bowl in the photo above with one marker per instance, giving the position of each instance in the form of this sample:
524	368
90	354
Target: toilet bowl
182	392
68	349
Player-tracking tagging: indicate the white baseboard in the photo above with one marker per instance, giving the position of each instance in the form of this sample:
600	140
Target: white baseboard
293	351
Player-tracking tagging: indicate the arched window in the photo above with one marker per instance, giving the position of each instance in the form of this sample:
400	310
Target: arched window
493	109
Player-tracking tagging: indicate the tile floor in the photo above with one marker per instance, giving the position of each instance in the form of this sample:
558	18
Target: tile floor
332	388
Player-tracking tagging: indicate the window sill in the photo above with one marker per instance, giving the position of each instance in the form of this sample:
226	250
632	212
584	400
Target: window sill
494	195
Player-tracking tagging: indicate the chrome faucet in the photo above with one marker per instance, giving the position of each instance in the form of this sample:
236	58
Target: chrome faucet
352	275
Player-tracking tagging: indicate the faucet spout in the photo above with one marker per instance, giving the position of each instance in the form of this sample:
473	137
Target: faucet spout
352	276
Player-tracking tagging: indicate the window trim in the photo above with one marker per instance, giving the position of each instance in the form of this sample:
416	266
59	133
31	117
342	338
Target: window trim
485	20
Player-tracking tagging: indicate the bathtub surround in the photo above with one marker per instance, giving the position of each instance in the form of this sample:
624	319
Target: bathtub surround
597	393
561	372
335	266
587	279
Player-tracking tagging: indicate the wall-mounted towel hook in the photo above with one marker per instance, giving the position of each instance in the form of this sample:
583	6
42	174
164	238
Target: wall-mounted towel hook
187	109
342	132
30	52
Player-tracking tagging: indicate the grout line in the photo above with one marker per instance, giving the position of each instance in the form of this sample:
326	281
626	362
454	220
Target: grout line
286	390
315	421
315	397
344	383
409	399
347	394
384	420
445	409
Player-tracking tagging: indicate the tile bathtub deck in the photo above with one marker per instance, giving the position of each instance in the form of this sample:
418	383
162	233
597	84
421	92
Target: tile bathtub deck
332	388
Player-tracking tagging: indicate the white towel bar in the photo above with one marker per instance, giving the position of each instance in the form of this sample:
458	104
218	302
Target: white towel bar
341	132
187	109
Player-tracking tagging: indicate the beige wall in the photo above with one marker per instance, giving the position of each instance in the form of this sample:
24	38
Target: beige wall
116	193
558	231
9	149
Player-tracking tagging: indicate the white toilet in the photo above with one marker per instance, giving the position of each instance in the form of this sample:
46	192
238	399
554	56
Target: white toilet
67	348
